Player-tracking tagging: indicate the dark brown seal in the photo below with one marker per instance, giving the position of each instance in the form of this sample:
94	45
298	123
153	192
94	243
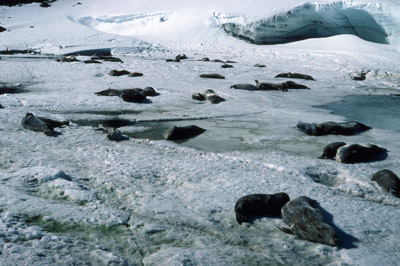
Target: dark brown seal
253	205
357	153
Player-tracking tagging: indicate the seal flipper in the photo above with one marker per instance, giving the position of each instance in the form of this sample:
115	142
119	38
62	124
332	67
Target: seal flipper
286	230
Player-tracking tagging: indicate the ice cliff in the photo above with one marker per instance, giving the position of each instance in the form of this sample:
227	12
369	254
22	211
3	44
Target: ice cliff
371	22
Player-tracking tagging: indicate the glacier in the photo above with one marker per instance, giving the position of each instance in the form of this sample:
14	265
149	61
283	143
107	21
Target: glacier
371	22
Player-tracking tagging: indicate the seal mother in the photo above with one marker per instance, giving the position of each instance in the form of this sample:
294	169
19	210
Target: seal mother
307	222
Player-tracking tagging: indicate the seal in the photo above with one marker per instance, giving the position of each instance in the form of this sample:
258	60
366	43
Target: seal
343	128
181	133
53	123
212	76
307	222
150	91
36	124
117	73
109	92
226	66
388	180
267	86
247	87
135	74
116	135
250	206
259	65
294	76
132	95
212	96
330	150
181	57
357	153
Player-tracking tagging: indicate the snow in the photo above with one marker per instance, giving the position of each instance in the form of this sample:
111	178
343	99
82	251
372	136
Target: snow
79	198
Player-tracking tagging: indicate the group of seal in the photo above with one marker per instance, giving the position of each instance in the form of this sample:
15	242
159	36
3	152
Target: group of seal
117	73
41	124
136	95
352	153
268	86
343	128
301	215
96	59
209	95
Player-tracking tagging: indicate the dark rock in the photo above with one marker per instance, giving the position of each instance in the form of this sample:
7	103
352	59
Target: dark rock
388	180
212	76
181	133
259	205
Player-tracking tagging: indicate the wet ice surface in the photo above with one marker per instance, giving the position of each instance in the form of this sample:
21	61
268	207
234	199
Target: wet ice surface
378	111
79	198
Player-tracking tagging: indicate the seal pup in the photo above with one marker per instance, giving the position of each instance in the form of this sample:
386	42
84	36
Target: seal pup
294	76
388	180
259	205
330	150
307	222
36	124
357	153
247	87
212	76
180	133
